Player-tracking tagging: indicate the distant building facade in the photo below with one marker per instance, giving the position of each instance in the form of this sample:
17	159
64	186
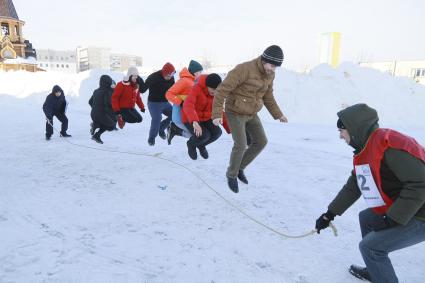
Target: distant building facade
101	58
414	69
57	61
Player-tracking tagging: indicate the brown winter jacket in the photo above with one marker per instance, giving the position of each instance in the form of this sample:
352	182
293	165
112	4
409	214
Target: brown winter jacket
246	88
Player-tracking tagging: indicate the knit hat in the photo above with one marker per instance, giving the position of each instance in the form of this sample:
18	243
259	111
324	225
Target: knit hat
168	69
273	55
340	125
132	71
194	67
213	80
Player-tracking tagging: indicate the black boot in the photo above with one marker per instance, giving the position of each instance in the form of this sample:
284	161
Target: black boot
360	272
96	138
191	150
48	137
65	135
151	142
162	135
242	177
233	184
204	152
172	131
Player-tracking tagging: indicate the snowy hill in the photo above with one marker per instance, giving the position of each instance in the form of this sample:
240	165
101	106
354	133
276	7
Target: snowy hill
71	213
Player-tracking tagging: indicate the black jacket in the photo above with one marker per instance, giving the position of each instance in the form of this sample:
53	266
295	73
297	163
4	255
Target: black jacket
54	105
157	86
100	102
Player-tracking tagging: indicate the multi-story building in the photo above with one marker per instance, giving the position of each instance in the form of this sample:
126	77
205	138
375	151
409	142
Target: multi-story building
56	60
121	62
101	58
414	69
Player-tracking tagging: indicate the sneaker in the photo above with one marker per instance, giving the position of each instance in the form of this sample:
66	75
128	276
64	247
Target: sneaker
97	139
91	129
151	142
204	152
242	177
233	184
121	122
360	272
173	130
162	135
65	135
191	150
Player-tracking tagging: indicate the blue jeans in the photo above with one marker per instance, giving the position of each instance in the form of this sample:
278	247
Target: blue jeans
375	246
156	109
177	119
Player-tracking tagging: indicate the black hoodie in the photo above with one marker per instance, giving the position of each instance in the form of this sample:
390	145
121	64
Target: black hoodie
54	105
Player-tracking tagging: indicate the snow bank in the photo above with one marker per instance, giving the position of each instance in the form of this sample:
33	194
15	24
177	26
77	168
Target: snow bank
305	98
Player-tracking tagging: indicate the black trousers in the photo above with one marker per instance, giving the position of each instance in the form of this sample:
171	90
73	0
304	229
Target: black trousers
131	115
210	133
62	118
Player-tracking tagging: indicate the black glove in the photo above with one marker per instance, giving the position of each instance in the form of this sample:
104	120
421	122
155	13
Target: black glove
323	221
386	223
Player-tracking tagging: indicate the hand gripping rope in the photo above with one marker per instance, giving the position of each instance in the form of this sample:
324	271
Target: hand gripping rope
158	156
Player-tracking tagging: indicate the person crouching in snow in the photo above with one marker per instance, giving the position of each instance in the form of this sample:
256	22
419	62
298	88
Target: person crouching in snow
102	114
125	97
389	171
197	115
177	94
55	105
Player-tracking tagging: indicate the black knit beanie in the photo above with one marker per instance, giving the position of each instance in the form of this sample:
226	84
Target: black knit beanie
340	125
213	80
273	55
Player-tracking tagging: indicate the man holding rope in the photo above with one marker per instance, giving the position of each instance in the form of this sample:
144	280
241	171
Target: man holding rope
389	171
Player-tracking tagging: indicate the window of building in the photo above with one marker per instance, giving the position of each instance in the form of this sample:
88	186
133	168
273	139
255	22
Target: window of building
5	29
418	73
67	66
423	73
57	65
17	30
62	66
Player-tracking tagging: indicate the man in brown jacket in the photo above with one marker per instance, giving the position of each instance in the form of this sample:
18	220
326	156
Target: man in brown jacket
245	90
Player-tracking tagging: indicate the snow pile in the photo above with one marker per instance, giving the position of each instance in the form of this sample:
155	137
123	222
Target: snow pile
307	98
317	96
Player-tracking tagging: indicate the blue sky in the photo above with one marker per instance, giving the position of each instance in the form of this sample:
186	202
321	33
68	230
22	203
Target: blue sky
229	32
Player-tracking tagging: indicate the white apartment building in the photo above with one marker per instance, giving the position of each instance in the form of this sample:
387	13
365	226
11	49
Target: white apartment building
56	60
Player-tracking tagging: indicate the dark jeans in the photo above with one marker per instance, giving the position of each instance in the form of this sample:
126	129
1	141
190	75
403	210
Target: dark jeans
210	133
375	246
156	109
131	115
62	118
102	128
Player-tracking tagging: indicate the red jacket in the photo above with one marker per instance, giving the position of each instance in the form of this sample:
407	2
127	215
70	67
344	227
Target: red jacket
379	141
198	104
126	95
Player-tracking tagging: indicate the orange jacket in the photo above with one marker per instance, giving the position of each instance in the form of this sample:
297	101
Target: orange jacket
178	92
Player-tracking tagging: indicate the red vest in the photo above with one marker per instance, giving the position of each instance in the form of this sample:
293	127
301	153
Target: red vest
379	141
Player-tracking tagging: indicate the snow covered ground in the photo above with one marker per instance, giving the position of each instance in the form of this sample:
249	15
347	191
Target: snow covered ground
76	214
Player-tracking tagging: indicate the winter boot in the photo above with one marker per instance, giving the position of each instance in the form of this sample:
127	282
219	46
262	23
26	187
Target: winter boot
233	184
162	135
48	137
204	152
65	135
92	129
242	177
121	122
191	150
96	138
172	131
360	272
151	141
